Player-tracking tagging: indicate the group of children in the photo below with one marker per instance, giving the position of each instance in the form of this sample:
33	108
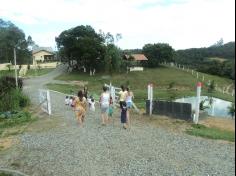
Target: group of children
69	101
79	104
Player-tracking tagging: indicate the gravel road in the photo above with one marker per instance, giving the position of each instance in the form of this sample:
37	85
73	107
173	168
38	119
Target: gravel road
95	150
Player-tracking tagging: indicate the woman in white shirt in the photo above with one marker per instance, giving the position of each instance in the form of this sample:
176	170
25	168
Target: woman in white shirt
104	104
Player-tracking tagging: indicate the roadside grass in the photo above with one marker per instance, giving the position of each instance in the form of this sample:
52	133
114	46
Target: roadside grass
211	133
38	72
6	73
64	88
12	125
184	83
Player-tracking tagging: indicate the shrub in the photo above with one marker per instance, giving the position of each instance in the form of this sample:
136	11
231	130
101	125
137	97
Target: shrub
7	83
11	98
14	119
171	85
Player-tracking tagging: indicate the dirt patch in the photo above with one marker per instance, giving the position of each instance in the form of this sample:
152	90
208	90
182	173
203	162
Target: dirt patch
44	124
80	83
224	124
6	143
170	124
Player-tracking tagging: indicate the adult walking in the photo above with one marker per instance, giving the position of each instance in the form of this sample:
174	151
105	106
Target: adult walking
80	105
104	105
123	106
129	103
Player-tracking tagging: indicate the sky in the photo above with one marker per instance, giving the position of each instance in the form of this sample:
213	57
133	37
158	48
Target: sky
180	23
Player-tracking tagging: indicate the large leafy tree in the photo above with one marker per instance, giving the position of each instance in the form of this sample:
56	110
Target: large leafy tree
113	59
12	37
157	53
83	45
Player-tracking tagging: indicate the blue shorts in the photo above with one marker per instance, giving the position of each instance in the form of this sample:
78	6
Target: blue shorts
104	109
129	104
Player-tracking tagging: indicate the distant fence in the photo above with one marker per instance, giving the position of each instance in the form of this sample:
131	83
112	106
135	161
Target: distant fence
172	109
227	89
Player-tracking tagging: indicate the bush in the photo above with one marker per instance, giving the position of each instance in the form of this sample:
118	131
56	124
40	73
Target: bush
11	98
7	83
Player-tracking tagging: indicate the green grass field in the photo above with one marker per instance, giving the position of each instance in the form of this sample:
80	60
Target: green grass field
211	133
184	83
38	72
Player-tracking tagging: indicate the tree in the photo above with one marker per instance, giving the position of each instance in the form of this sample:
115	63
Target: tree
157	53
13	37
31	43
219	43
83	45
231	110
113	59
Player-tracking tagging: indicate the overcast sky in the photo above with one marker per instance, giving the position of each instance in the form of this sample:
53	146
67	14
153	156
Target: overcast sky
181	23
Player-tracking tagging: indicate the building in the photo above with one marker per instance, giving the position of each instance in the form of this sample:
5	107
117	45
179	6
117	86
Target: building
136	57
135	61
43	54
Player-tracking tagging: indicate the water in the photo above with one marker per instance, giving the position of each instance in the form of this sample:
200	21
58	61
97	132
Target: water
219	108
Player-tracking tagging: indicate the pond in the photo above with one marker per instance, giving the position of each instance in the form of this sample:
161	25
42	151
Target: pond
219	107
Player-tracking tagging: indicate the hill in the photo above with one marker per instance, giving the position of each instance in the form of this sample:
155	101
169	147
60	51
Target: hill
182	83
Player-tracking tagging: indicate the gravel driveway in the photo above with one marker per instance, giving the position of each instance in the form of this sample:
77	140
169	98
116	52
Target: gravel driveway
94	150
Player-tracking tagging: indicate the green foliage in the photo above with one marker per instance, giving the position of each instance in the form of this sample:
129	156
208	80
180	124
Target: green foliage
211	87
11	36
198	58
9	67
171	85
211	133
7	83
231	110
11	98
16	118
157	53
82	44
202	107
113	59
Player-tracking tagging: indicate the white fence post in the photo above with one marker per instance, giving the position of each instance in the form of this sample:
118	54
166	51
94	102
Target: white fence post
150	97
198	98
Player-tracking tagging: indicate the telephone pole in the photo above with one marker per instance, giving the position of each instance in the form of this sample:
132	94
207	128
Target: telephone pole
15	67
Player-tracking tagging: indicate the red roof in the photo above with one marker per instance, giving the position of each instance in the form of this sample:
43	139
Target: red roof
139	57
136	57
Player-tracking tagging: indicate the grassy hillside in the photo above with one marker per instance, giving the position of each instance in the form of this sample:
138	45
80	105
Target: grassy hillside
183	83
